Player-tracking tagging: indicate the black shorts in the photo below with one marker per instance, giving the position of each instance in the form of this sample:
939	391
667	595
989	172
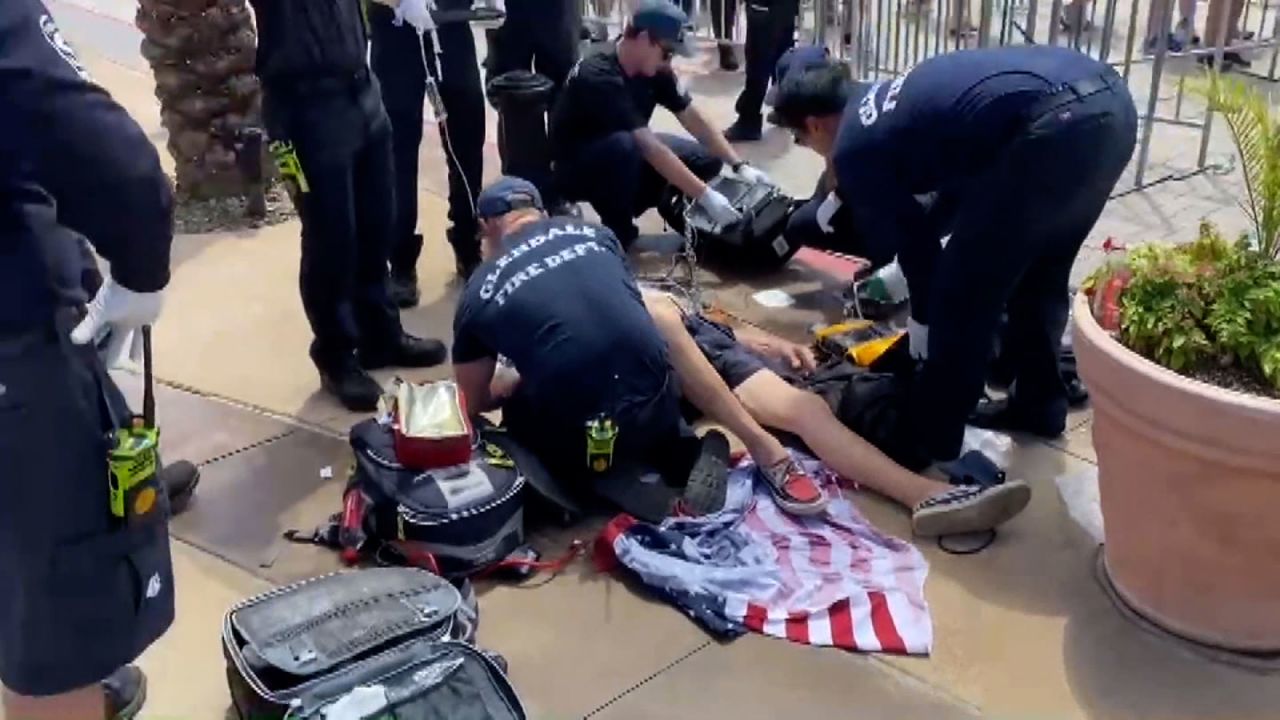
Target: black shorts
82	595
732	361
653	440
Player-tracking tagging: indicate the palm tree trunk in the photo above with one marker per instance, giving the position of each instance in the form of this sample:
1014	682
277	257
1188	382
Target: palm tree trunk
202	53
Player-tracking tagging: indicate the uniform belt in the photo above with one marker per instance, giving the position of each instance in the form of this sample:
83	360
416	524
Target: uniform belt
1070	92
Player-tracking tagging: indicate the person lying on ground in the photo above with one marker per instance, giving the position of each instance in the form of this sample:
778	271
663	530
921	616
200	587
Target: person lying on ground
556	298
745	358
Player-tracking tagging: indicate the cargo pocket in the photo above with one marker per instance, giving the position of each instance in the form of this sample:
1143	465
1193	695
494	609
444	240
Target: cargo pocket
116	587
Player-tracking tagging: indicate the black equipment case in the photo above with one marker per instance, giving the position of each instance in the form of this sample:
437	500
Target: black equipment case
753	243
399	633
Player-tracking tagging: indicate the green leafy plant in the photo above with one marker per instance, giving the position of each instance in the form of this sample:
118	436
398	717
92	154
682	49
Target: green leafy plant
1209	303
1256	131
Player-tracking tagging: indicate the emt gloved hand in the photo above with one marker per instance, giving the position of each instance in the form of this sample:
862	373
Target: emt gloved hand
417	13
719	207
753	175
121	312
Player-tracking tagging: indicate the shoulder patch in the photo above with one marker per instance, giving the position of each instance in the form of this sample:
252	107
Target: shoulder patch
53	36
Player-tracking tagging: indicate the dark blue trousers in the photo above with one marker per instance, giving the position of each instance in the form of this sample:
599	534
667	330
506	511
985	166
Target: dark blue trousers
803	228
771	30
1018	228
613	175
342	139
396	58
84	593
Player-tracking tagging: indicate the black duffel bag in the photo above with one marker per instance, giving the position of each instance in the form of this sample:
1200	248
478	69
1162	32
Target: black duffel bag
395	639
874	405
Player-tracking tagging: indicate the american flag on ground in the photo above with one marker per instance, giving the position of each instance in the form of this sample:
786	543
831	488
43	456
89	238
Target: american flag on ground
827	580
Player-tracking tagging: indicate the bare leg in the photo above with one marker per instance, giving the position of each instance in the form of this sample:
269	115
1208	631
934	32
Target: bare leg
84	704
706	389
774	403
1222	19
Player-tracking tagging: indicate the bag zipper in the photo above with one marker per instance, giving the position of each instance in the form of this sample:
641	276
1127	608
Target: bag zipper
428	518
495	672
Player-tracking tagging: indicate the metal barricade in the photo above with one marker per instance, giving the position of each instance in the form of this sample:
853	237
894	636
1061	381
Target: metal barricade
883	38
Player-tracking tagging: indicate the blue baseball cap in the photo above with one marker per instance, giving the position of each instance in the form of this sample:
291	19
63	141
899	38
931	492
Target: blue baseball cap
665	22
796	59
506	194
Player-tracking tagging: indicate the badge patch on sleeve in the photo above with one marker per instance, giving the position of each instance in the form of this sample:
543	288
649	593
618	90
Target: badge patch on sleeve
53	36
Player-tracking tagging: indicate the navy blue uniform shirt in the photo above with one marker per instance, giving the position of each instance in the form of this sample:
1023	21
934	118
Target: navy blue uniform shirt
71	161
563	306
907	144
300	39
599	99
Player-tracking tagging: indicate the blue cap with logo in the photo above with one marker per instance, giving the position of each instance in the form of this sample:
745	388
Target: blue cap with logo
665	22
794	60
506	194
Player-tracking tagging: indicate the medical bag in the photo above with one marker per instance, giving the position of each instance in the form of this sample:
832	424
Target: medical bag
382	642
460	520
754	242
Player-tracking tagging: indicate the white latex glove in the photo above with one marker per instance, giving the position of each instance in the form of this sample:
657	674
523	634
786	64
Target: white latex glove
918	337
826	211
753	175
417	13
120	312
719	207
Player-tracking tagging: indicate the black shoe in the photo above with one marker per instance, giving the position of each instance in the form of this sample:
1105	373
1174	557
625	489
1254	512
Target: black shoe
1230	61
354	388
402	289
1004	416
709	478
179	480
728	56
742	131
565	209
406	351
125	691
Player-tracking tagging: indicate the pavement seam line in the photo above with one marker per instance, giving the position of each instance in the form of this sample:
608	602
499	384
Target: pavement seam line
706	644
251	446
298	422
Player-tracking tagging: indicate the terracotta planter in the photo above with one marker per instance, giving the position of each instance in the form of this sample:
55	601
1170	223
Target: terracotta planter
1190	482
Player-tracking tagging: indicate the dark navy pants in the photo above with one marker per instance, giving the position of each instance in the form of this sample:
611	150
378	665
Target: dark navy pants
803	228
342	139
724	13
83	594
613	175
771	30
1019	225
538	35
396	59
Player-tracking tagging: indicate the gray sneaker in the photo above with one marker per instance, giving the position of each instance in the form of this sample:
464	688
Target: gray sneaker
970	508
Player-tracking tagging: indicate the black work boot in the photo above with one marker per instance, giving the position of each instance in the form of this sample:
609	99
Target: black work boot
402	288
354	388
179	480
744	130
125	692
728	56
406	351
1007	415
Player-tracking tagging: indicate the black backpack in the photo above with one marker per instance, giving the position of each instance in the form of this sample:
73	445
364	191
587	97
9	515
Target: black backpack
462	520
